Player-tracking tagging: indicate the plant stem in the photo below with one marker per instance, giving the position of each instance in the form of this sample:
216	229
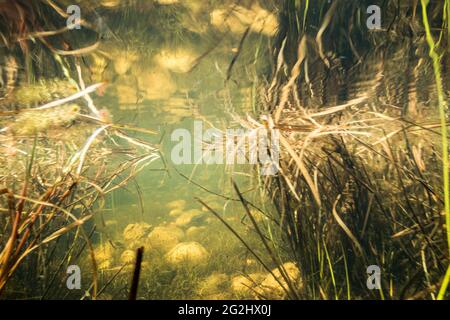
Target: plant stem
443	117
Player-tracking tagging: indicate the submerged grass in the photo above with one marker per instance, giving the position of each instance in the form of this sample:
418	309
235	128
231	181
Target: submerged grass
442	105
56	166
357	183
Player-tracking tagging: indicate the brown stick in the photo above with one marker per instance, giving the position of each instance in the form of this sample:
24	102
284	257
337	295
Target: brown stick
136	274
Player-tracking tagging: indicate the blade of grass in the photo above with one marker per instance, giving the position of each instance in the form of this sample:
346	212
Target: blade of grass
443	117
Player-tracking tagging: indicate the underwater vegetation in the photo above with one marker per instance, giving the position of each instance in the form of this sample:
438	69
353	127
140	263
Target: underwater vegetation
364	163
55	167
60	154
362	174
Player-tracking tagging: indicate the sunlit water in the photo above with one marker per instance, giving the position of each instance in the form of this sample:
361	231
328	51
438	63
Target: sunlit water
168	68
165	87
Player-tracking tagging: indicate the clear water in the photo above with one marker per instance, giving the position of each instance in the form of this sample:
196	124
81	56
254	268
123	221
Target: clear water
150	86
168	65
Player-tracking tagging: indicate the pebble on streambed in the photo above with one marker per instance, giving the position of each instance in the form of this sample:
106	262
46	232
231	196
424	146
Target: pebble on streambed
272	289
214	287
187	254
164	238
245	285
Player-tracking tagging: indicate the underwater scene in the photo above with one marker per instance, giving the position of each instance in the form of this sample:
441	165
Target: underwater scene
224	150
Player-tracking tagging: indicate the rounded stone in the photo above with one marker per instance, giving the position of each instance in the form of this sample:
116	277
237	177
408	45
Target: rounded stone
187	253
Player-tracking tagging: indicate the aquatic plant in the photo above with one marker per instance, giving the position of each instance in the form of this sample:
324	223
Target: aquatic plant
345	208
45	90
33	122
442	105
362	172
60	160
358	181
35	32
